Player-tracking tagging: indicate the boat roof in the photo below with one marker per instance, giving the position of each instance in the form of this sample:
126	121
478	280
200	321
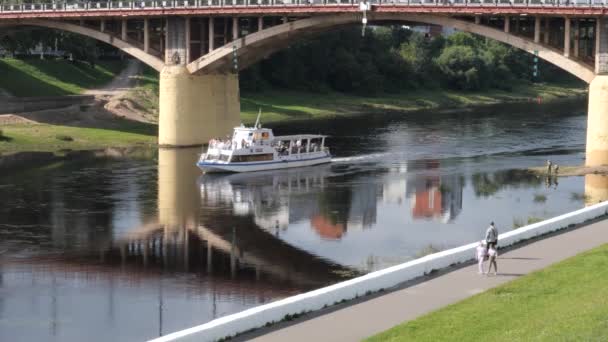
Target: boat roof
299	136
243	128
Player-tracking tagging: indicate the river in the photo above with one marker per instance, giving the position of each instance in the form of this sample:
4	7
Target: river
126	249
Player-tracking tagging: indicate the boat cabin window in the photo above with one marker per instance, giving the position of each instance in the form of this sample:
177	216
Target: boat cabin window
315	145
224	157
252	158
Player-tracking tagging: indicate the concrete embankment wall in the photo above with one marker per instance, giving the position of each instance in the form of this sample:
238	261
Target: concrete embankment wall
12	105
379	280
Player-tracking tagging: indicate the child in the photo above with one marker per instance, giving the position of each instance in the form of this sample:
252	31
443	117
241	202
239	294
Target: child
493	254
481	255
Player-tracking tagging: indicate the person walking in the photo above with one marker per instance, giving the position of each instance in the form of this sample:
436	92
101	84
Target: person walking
492	255
481	254
491	236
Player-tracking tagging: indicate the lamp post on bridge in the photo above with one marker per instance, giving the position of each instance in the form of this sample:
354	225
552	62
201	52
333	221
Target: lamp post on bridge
235	61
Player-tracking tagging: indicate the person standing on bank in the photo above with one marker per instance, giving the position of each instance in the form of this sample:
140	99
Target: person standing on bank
491	236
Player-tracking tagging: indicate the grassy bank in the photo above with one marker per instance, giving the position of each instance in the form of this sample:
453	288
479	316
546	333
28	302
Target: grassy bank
34	77
285	105
52	138
565	302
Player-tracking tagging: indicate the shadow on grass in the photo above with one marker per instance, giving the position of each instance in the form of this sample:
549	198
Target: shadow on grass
23	84
253	106
93	116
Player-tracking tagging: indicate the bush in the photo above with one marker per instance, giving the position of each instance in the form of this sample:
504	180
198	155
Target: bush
63	137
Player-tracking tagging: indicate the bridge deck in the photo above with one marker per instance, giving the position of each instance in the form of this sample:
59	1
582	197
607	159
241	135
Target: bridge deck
154	9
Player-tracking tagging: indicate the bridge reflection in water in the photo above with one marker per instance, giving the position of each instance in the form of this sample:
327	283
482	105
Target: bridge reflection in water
190	264
596	189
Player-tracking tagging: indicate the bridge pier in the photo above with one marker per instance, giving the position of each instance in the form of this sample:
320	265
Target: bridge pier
196	108
193	108
597	117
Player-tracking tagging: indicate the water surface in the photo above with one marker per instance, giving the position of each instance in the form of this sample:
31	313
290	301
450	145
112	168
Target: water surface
130	249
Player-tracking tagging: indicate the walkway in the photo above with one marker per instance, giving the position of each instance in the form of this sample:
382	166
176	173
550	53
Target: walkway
358	321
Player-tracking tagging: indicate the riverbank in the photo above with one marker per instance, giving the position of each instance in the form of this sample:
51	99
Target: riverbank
282	106
566	301
30	137
115	117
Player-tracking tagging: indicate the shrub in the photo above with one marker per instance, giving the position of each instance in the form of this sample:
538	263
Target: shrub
3	137
64	137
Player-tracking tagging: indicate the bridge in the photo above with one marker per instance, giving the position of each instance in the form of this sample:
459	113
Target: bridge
198	46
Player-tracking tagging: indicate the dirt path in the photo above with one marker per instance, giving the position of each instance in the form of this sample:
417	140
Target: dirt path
111	102
121	83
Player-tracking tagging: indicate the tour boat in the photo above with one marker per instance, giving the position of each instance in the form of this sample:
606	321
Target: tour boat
257	149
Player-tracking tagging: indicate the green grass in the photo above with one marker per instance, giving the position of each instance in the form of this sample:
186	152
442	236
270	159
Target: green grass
565	302
145	94
286	105
33	77
51	138
280	105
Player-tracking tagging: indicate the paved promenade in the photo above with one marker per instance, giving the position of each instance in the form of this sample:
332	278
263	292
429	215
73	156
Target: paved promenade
358	321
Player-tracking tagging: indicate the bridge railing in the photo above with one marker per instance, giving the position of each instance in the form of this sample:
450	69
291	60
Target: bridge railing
155	4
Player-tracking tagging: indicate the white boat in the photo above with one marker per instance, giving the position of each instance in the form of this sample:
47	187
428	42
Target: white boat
257	149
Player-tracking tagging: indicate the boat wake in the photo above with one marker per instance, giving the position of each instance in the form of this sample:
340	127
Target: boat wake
365	157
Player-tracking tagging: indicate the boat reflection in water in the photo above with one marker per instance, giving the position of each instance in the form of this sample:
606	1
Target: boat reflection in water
329	210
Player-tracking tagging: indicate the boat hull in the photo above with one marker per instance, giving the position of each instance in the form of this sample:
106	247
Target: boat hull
261	166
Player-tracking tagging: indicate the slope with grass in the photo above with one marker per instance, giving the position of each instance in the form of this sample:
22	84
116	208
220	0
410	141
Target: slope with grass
565	302
280	105
53	138
32	77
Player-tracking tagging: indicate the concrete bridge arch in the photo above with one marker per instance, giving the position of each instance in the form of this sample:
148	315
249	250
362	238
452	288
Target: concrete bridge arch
261	44
108	38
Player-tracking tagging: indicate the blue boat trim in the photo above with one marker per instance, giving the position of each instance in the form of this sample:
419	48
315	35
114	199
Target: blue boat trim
261	163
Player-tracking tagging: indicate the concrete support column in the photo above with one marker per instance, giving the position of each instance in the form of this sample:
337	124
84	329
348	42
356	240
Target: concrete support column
260	23
235	28
546	32
176	49
195	108
123	30
102	26
211	34
601	46
146	35
188	39
567	37
507	24
597	122
537	30
576	37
